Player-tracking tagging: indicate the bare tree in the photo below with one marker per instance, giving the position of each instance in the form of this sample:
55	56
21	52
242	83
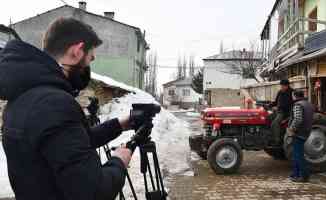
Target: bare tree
179	68
151	74
184	67
191	66
245	63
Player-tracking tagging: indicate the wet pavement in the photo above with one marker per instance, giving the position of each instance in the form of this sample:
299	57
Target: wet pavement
260	177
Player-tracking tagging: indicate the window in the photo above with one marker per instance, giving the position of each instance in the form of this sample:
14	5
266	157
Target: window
171	92
185	92
280	27
313	16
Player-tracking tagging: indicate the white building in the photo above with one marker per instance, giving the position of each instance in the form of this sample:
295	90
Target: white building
179	92
222	86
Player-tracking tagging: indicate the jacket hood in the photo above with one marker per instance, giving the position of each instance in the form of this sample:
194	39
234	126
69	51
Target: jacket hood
23	67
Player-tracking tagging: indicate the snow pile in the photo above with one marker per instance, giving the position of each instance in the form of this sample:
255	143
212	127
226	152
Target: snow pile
170	134
5	190
111	82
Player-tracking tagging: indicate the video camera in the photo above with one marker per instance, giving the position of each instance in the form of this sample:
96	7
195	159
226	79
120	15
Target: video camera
141	113
141	117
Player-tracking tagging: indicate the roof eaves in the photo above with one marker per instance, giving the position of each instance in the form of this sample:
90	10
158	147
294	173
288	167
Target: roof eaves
270	15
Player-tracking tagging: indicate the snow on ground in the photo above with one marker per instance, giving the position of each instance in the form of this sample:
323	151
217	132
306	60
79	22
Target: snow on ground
193	114
169	133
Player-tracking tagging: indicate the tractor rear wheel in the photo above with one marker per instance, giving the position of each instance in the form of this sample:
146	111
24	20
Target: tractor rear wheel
315	149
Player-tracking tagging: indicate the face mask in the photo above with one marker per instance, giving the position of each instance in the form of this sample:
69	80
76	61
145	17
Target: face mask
78	76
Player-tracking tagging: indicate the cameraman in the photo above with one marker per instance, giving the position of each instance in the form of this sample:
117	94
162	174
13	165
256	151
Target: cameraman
50	149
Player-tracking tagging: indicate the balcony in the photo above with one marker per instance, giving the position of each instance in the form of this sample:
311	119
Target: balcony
293	39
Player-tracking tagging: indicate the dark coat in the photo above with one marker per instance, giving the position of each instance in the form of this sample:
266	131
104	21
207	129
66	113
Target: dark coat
284	101
301	119
49	147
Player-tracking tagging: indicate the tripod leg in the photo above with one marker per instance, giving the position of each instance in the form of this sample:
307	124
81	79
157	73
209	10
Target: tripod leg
151	176
157	167
131	186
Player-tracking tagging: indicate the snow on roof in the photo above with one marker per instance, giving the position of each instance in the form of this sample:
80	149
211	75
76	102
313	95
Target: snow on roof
112	83
179	82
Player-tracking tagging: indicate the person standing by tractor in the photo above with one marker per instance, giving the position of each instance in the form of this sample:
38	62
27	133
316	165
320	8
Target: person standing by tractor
282	105
300	125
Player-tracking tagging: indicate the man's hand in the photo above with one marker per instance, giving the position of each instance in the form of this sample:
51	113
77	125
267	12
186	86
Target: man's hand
124	123
124	154
290	132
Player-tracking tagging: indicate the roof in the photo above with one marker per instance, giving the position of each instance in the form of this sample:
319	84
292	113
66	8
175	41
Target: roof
8	30
179	82
235	55
111	83
103	17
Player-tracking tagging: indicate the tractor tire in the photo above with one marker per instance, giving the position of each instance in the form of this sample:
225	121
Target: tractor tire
315	149
276	154
225	156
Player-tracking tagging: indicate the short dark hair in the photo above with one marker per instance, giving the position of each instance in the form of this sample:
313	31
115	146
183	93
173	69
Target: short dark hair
64	32
298	93
285	82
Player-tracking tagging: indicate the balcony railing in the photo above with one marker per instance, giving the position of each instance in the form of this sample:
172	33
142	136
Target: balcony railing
294	37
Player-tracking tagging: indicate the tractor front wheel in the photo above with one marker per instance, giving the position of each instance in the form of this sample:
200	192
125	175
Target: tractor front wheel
225	156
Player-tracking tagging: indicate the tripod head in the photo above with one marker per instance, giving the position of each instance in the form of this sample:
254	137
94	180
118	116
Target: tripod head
141	117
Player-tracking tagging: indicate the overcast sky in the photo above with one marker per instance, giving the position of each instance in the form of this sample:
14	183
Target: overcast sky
173	27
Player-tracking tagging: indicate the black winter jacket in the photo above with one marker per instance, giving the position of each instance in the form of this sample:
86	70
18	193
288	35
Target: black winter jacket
284	102
49	147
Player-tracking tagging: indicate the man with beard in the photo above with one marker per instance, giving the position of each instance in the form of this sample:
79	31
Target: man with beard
50	149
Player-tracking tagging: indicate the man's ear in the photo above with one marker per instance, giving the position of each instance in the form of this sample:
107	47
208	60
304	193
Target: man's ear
79	50
76	52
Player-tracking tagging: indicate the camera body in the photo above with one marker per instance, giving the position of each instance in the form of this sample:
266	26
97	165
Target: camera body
142	113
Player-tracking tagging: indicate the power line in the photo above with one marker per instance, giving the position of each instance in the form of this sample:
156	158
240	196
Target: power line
174	67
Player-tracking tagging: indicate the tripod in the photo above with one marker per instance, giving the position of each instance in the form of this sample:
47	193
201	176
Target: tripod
146	146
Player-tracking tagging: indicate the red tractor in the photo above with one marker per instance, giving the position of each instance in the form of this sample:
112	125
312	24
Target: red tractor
229	131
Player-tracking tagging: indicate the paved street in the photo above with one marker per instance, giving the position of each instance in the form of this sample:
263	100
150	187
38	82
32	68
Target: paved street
260	177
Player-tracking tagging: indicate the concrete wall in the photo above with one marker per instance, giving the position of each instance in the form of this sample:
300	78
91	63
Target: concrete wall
118	55
267	91
226	98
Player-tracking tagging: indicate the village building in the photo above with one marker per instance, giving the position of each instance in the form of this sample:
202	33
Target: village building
294	48
222	80
180	93
122	56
